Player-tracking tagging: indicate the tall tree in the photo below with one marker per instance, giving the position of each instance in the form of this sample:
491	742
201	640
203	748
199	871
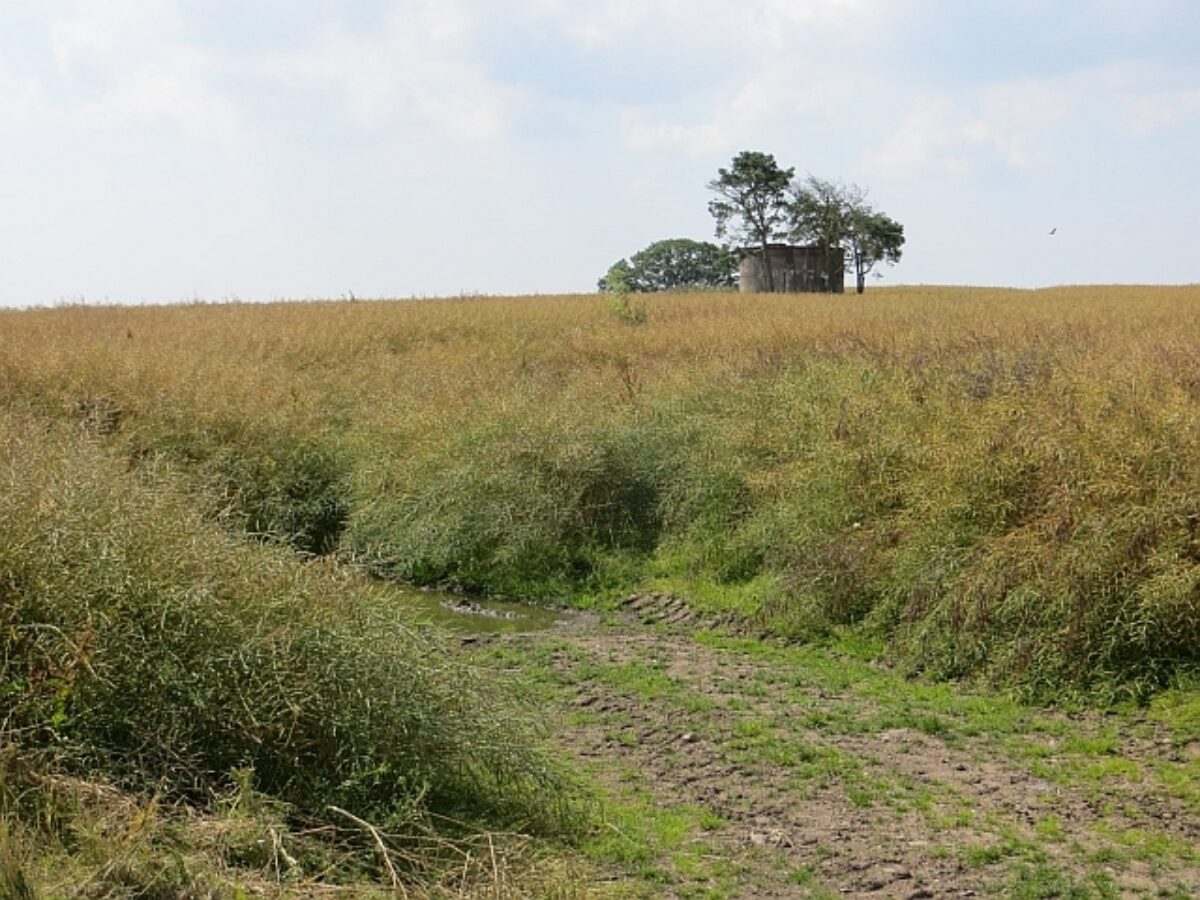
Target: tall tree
672	264
751	206
874	238
837	218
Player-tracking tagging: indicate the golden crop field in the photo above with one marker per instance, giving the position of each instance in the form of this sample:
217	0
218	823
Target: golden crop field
934	460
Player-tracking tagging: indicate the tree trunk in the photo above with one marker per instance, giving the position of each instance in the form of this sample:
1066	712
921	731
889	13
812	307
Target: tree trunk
827	258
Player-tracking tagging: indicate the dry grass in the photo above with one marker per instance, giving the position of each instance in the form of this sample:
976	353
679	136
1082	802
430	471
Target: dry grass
953	466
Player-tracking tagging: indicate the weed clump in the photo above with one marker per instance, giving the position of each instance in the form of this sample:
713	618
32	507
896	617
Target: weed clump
517	509
269	482
144	646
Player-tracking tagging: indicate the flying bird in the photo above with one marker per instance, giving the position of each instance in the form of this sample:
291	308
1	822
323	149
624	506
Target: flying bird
1054	230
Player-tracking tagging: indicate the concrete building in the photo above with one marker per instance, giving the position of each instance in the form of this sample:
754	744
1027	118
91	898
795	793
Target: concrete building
796	270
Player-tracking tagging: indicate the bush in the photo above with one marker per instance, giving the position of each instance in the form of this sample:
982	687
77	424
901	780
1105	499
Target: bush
272	483
515	510
144	644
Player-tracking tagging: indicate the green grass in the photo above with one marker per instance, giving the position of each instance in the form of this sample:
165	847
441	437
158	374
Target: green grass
1083	755
1033	882
658	845
800	716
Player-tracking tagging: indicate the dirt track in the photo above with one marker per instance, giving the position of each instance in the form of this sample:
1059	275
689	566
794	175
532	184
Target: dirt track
840	778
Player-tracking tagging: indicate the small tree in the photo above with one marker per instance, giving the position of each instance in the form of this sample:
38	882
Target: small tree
618	279
673	264
751	206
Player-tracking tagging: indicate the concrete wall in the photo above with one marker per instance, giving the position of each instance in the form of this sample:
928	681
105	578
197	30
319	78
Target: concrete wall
796	270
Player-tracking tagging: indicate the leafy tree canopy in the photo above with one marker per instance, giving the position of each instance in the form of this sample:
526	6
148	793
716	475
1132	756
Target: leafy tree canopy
673	264
821	212
837	218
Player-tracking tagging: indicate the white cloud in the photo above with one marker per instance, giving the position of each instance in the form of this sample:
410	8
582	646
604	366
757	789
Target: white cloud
99	33
952	135
1016	122
21	99
927	129
1143	98
697	140
132	62
759	27
789	26
756	67
783	92
417	66
1146	114
600	24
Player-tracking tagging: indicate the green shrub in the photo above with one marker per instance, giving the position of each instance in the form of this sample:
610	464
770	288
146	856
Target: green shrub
517	510
265	480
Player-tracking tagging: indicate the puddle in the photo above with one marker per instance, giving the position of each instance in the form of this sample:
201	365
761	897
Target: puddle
470	615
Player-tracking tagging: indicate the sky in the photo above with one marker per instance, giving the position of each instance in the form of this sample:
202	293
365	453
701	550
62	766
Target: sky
179	150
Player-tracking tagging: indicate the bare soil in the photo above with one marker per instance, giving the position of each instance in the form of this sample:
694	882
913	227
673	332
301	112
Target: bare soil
824	786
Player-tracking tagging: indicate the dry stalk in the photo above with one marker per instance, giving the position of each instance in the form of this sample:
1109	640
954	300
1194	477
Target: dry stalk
495	867
381	847
280	852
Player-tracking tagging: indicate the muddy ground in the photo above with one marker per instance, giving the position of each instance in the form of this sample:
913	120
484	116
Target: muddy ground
730	766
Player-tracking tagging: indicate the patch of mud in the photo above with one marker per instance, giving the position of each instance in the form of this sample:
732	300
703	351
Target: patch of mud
764	809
